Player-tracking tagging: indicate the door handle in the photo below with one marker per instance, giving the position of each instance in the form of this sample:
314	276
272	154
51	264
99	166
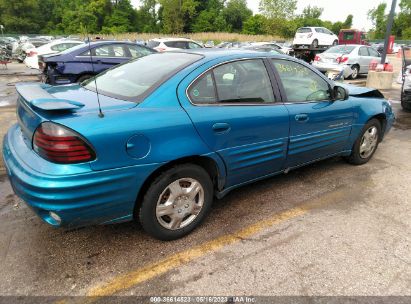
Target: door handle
221	127
301	117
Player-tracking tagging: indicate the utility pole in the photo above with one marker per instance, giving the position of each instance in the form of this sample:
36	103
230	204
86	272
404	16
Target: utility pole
388	31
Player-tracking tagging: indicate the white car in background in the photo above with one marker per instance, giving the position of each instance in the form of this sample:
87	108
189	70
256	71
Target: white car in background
352	59
53	47
281	47
314	37
173	44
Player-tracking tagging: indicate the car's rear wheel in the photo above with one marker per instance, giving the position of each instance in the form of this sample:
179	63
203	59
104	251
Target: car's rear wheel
355	70
176	202
366	143
335	42
314	45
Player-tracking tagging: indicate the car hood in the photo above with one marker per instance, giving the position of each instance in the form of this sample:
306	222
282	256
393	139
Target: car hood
362	91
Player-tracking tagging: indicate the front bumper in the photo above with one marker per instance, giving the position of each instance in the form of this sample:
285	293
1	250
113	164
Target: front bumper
79	196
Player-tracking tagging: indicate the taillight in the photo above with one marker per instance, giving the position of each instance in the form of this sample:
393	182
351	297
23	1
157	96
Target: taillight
159	49
61	145
317	58
342	59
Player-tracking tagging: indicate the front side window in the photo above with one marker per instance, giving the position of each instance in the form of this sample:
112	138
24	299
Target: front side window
245	81
300	83
373	52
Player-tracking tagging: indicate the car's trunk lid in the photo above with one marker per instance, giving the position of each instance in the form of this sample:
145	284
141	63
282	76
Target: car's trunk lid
40	102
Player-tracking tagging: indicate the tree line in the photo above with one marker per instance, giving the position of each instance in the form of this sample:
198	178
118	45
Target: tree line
275	17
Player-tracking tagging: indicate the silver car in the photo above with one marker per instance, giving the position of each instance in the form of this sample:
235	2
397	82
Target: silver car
352	59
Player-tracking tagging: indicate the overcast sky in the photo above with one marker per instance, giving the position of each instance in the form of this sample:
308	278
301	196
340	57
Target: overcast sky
334	10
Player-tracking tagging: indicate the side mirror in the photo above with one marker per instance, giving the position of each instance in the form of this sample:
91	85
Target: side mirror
340	93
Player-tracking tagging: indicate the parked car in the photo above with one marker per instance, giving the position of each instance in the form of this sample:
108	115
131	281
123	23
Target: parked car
314	37
379	47
264	48
173	44
77	64
274	45
20	52
177	129
352	36
406	78
352	59
54	47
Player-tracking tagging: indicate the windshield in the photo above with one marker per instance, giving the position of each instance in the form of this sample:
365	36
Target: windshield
341	49
135	79
304	30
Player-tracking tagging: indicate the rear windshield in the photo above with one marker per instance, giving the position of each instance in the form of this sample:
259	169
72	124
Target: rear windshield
304	30
153	43
340	49
134	80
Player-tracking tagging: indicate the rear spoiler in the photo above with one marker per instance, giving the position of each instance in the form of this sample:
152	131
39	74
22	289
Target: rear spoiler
36	95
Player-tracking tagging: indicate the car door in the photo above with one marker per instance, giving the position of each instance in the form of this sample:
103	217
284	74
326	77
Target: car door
319	126
236	113
107	56
364	59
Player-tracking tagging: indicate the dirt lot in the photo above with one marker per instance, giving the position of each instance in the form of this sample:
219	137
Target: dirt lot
326	229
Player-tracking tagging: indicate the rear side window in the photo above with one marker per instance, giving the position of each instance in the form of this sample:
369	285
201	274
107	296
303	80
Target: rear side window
123	82
363	51
137	51
177	44
245	81
304	30
153	44
319	30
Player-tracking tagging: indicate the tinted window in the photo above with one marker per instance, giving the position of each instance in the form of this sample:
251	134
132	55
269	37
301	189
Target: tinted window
363	51
300	83
340	49
373	52
123	82
244	81
203	90
192	45
153	44
319	30
177	44
348	36
304	30
138	51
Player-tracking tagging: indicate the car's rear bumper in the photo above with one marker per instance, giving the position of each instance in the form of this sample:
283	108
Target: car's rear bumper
79	197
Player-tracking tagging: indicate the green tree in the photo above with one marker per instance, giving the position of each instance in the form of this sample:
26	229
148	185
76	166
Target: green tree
255	25
278	9
379	20
20	16
122	19
347	24
175	12
235	13
312	12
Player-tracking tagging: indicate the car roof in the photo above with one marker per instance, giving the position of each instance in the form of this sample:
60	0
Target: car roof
210	54
171	39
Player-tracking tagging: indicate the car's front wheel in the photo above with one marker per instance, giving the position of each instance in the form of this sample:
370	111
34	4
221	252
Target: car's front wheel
314	44
176	202
335	42
366	143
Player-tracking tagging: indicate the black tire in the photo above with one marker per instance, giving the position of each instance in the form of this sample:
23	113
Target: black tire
314	45
335	42
356	70
147	212
356	158
84	77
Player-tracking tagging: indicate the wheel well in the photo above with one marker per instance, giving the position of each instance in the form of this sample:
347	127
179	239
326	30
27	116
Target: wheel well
206	163
383	121
357	65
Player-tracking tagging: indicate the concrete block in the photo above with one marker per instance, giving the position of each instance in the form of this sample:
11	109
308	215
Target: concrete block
380	80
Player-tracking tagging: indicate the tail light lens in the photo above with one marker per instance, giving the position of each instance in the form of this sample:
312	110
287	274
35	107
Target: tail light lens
317	58
61	145
342	59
